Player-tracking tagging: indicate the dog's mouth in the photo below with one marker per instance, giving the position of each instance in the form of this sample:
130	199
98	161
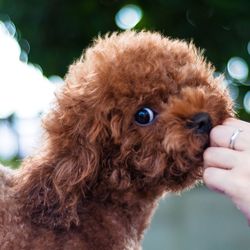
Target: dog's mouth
186	167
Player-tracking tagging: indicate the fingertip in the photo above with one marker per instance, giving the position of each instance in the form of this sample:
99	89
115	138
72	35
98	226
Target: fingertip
215	135
216	132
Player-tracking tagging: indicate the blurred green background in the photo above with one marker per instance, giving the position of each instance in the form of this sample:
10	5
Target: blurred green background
52	33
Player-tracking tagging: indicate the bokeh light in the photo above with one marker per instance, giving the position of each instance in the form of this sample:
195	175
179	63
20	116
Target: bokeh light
228	84
128	16
248	47
24	90
10	26
25	93
8	142
237	68
9	49
246	102
233	89
56	80
29	133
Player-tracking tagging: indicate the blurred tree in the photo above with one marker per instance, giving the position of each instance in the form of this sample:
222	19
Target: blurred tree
58	30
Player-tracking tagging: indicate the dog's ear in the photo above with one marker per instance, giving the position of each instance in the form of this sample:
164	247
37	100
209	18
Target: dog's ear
52	186
53	190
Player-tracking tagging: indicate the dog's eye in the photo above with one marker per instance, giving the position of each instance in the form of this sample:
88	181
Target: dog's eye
145	116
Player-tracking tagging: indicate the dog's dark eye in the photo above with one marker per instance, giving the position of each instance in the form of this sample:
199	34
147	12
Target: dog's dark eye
145	116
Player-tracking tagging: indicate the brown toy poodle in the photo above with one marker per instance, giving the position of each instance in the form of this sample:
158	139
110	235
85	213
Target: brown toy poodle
130	124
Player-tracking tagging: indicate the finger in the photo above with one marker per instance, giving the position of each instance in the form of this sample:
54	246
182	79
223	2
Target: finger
236	123
221	135
217	179
222	158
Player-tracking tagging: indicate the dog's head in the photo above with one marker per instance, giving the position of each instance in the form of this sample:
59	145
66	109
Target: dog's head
134	116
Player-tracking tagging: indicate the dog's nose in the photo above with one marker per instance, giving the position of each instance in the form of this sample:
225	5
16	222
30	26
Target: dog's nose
201	123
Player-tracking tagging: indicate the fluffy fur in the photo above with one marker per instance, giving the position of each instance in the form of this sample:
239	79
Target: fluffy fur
98	176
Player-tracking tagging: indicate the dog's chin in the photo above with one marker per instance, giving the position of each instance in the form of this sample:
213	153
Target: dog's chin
188	173
197	165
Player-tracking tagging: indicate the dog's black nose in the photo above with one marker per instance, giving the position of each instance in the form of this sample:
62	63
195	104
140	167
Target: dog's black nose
201	123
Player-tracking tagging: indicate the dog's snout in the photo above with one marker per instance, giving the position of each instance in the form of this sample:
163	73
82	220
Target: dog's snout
201	123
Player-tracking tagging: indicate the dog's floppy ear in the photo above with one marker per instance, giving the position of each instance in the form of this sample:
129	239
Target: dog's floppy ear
53	185
52	191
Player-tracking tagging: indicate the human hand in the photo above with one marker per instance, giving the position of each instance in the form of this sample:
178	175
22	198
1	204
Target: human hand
227	167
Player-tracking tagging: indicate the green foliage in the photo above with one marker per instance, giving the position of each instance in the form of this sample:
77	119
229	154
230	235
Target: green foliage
14	163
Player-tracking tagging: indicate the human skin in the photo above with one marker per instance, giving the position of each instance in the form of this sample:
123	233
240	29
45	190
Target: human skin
227	171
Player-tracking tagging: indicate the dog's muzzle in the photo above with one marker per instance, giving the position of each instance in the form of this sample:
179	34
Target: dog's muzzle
201	123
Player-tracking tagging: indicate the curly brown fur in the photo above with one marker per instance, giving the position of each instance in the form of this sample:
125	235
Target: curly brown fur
99	175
